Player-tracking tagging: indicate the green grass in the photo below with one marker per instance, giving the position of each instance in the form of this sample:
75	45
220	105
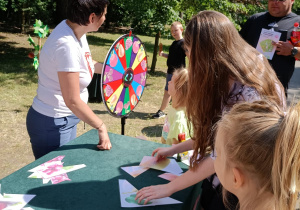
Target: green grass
18	83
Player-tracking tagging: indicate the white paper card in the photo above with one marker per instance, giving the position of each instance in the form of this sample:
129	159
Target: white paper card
167	165
264	44
135	170
14	201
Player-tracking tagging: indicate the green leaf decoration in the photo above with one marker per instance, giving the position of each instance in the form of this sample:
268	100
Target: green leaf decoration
31	42
38	23
36	52
42	31
35	63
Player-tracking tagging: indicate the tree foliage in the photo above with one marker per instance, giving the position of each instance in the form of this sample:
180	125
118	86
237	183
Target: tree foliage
24	12
145	16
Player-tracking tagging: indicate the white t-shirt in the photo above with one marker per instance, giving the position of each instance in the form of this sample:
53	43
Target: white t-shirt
62	52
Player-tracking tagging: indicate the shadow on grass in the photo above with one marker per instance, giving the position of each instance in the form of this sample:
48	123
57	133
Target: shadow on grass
98	41
153	131
100	112
139	115
157	73
15	64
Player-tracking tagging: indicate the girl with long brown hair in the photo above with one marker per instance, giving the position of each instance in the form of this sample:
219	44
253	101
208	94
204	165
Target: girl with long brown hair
223	70
257	155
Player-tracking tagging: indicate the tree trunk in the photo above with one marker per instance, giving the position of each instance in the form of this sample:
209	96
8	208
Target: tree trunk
23	20
154	59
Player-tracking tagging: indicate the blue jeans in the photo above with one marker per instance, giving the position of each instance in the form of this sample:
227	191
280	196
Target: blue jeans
168	78
48	133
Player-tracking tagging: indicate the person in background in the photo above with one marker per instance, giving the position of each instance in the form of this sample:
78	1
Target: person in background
223	70
281	18
65	70
175	59
176	122
257	155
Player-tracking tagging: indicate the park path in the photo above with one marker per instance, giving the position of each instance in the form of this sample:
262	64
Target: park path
294	86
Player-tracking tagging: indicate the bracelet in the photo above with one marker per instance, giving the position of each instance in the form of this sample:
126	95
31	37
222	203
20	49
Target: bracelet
100	125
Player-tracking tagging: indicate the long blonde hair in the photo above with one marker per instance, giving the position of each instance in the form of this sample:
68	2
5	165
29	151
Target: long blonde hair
218	54
181	86
265	142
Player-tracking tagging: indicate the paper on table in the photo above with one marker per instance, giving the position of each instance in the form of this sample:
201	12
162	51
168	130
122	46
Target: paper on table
14	201
54	161
169	176
128	193
53	170
167	165
135	170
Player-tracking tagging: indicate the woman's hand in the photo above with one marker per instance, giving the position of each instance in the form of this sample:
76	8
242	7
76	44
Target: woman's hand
153	192
163	152
104	141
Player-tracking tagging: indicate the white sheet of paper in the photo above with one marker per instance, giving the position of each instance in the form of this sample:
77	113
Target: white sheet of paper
44	166
169	176
167	165
65	169
14	201
135	170
128	193
264	44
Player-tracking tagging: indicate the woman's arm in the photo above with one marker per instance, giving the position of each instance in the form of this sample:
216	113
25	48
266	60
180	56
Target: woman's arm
204	170
69	84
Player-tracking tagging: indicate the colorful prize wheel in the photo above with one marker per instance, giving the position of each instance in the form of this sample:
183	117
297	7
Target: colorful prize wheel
123	76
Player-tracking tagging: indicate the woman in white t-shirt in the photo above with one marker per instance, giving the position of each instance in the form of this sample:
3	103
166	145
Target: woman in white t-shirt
65	70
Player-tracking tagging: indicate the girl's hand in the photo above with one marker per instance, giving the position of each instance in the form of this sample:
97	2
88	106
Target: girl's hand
104	141
153	192
163	152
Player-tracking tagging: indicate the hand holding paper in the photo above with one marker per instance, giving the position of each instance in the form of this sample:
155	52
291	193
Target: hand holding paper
283	48
167	165
128	197
163	153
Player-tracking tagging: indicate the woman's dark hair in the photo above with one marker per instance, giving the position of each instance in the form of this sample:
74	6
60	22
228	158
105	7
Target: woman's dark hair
78	11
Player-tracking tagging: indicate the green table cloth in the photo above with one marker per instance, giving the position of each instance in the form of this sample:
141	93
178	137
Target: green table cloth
95	186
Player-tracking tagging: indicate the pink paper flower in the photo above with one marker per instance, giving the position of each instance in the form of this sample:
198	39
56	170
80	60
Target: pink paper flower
60	178
53	168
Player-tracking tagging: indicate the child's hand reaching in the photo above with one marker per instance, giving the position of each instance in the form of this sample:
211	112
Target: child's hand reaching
153	192
163	152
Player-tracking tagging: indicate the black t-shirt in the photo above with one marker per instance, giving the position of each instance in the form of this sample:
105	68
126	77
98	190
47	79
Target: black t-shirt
176	58
283	65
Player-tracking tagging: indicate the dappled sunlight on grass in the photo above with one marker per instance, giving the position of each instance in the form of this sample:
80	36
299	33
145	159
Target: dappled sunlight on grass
18	83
